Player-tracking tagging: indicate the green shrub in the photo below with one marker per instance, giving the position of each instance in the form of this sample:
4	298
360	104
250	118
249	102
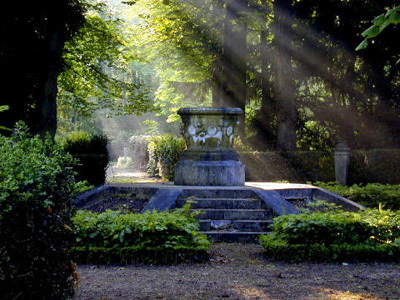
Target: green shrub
156	237
164	152
374	166
4	108
91	151
366	166
36	188
335	236
371	195
294	166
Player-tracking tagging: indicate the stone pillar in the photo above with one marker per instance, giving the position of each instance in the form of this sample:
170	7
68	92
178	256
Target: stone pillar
209	158
342	160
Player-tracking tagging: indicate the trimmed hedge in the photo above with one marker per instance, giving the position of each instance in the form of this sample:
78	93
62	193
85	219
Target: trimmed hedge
155	237
92	153
366	166
371	195
374	166
293	166
335	236
278	250
164	152
36	188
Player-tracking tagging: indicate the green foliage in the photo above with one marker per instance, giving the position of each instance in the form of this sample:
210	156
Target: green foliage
392	16
374	166
177	38
164	152
366	166
97	60
100	72
4	108
335	236
371	195
91	150
156	237
36	188
293	166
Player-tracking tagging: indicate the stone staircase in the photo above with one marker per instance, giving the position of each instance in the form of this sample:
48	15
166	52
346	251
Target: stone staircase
229	214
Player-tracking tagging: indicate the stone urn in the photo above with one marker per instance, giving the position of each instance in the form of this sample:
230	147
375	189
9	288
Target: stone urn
209	159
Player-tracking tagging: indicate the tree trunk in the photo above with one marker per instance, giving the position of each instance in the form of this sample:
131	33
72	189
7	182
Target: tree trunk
265	124
283	82
229	82
45	120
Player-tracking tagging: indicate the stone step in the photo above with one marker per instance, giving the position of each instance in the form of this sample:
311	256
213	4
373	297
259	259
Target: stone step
218	193
221	236
234	214
236	225
222	203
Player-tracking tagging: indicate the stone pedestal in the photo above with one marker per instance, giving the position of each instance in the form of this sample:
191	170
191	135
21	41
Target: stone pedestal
209	158
342	160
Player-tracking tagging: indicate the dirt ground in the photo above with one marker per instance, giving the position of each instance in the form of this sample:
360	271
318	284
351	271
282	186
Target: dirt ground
240	271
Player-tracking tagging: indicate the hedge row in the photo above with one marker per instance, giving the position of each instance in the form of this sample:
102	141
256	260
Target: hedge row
375	166
278	250
371	195
371	235
366	166
155	237
296	166
92	154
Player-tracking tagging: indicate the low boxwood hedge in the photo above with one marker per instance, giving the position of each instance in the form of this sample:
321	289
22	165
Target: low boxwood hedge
371	195
335	236
152	237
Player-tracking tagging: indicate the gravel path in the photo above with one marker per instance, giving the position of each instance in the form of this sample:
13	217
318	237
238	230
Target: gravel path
240	271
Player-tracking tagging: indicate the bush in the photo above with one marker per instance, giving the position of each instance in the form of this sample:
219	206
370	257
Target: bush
91	151
36	188
335	236
155	237
294	166
371	195
164	152
374	166
366	166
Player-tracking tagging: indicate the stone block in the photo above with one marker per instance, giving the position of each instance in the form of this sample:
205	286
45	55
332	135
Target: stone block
210	173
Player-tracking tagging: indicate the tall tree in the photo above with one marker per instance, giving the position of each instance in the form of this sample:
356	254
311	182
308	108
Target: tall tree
33	34
100	71
284	90
362	87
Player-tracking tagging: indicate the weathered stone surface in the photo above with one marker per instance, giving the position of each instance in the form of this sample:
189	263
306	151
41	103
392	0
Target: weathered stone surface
234	214
164	199
210	159
220	224
342	160
222	203
209	128
209	173
276	202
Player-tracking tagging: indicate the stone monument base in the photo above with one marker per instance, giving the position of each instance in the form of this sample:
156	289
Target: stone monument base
214	173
